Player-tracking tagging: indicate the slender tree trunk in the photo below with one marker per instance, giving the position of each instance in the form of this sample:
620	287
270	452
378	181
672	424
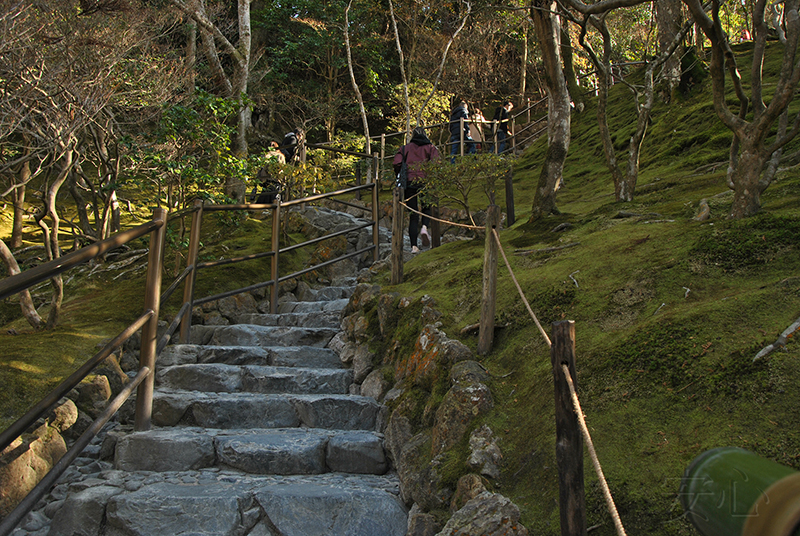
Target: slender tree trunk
25	300
569	70
18	198
51	235
367	144
547	26
523	77
191	55
406	99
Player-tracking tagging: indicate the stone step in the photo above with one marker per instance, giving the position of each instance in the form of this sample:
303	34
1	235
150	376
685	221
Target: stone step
284	356
325	293
320	319
247	335
222	378
250	410
283	451
218	503
328	306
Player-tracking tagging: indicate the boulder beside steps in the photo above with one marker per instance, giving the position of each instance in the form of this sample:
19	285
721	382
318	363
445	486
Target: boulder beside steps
254	433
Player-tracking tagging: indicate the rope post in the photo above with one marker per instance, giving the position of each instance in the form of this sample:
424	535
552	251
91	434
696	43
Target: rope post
397	236
510	215
191	260
569	443
436	228
147	355
489	296
276	245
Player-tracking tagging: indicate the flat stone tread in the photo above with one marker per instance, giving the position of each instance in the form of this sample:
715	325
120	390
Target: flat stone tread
220	377
287	356
253	335
323	319
313	306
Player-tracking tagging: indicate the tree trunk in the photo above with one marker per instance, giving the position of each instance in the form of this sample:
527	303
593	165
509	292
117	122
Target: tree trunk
668	20
25	300
575	93
18	198
747	188
367	147
547	27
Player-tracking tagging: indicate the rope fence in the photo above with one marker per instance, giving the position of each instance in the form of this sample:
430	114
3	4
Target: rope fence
573	396
447	222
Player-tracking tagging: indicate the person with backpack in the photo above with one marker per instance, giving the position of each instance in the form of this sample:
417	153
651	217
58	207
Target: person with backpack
503	124
291	142
270	186
410	174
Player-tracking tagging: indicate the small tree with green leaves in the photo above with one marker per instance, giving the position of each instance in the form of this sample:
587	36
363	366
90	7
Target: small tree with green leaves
462	182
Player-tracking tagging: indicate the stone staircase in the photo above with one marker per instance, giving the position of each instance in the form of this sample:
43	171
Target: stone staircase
254	433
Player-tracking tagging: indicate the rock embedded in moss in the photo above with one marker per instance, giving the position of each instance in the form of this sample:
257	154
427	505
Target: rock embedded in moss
462	404
488	514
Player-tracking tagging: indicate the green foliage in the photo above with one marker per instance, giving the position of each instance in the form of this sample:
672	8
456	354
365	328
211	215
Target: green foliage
189	151
457	182
436	111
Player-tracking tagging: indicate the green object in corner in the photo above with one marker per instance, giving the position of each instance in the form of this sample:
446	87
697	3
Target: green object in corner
720	488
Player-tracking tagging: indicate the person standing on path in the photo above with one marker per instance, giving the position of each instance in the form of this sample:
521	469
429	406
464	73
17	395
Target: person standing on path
503	124
418	150
460	112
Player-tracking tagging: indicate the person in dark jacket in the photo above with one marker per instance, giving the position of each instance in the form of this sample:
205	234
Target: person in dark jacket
418	150
291	142
503	124
460	112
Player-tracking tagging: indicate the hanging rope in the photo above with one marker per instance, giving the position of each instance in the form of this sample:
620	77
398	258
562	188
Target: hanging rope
519	289
612	508
473	227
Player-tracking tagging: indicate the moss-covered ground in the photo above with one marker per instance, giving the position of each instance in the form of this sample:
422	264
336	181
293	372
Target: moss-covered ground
669	314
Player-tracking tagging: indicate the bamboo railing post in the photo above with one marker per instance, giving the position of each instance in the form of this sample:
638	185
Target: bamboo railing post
489	295
494	134
191	260
276	245
569	443
461	135
397	236
510	213
358	178
147	355
375	233
436	228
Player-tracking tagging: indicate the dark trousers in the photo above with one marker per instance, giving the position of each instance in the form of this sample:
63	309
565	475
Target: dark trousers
413	201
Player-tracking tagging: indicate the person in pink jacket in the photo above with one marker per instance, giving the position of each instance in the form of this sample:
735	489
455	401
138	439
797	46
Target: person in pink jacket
418	150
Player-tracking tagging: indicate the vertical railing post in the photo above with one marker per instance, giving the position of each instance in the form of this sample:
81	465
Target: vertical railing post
494	134
397	236
358	178
436	228
510	213
375	230
152	298
528	107
489	294
569	443
276	246
188	287
461	134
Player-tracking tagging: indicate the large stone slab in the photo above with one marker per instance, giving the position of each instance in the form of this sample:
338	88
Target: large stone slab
341	412
173	449
322	319
216	377
285	356
306	510
175	509
332	306
279	452
249	335
356	452
295	380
